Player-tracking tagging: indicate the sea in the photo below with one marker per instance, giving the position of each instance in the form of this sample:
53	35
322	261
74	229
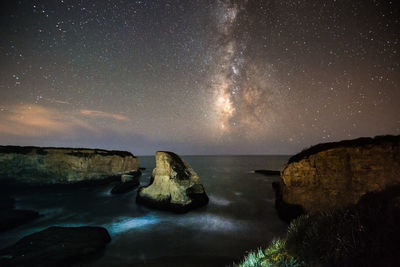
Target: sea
239	218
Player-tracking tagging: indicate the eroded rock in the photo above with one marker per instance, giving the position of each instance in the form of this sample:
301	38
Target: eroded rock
55	246
129	181
174	186
11	217
334	175
49	166
268	172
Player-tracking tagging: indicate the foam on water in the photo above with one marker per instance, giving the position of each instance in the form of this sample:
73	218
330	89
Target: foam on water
124	224
212	223
106	192
239	217
220	201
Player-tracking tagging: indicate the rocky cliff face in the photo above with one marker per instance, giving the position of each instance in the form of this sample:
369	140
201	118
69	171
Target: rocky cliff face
44	166
333	175
175	186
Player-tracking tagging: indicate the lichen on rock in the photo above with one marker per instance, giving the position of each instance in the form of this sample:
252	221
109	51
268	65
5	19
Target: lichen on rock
174	186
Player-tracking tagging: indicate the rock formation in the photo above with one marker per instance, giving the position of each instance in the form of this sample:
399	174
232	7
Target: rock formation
10	217
333	175
55	246
45	166
268	172
174	186
129	181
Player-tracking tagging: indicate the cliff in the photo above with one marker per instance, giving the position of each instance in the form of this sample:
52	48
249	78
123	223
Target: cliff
46	165
334	175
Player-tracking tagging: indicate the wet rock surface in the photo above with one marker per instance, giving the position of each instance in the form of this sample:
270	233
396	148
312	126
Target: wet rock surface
10	217
128	183
268	172
55	246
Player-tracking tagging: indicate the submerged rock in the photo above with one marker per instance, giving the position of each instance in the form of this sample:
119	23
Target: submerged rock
334	175
49	166
55	246
174	186
128	183
268	172
6	202
12	218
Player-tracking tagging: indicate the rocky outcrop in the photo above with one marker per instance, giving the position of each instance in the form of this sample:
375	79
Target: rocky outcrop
334	175
55	246
10	217
174	186
46	166
268	172
129	181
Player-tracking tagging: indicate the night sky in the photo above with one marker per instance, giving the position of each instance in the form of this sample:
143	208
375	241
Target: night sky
198	77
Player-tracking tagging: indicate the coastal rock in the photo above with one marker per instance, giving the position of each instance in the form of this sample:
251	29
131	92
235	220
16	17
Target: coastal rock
286	211
128	182
126	178
6	202
47	166
174	186
12	218
55	246
268	172
334	175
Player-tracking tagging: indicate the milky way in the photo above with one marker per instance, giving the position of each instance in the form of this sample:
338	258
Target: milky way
246	93
198	77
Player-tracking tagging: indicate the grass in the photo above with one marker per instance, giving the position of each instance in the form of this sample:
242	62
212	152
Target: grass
275	255
366	234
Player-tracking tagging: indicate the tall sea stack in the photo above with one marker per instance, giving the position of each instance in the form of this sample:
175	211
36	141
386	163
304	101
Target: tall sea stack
174	186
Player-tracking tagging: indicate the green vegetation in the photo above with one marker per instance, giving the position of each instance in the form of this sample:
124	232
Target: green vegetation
275	255
366	234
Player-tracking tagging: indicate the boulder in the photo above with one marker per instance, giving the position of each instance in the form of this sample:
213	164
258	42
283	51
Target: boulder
268	172
334	175
174	186
129	181
6	202
52	166
126	178
12	218
55	246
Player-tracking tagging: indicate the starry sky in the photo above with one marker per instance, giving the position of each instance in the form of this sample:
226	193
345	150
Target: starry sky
198	77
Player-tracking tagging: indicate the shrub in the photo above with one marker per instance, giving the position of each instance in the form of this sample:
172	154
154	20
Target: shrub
327	237
275	255
366	234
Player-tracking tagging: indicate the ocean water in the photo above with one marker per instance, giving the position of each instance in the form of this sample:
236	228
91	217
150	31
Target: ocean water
239	217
